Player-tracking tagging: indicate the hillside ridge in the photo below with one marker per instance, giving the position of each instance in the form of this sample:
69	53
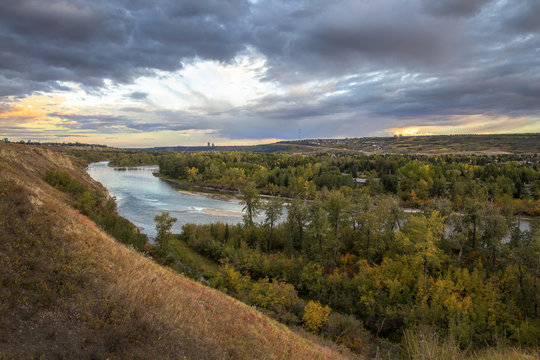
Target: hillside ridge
71	291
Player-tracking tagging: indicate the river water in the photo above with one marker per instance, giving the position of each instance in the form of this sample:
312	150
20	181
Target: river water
141	196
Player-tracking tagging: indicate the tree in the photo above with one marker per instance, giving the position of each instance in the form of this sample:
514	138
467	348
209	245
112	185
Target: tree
164	223
318	225
459	232
315	315
366	220
251	202
471	212
525	253
297	218
273	210
494	228
424	232
193	174
336	205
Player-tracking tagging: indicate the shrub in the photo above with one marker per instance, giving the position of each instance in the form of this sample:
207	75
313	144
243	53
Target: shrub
347	330
276	295
230	280
315	316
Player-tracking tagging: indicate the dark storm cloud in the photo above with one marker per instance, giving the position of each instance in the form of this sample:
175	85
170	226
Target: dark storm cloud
523	16
89	41
345	36
387	60
457	8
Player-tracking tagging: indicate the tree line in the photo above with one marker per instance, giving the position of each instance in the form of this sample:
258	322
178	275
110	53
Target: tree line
417	180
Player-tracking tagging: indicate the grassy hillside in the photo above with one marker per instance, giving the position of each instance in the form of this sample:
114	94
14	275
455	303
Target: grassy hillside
68	290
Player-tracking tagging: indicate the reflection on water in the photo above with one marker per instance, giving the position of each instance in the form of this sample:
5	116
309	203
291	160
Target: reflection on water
141	196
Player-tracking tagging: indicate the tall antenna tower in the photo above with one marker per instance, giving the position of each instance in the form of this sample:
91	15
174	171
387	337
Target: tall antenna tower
299	137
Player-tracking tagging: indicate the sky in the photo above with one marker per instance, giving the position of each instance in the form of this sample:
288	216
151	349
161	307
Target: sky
141	73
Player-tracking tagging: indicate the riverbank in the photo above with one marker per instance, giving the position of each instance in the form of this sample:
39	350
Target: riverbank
212	192
223	212
206	191
234	196
141	196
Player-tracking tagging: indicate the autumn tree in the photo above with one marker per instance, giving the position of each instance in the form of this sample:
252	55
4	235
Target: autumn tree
366	221
315	316
472	213
424	232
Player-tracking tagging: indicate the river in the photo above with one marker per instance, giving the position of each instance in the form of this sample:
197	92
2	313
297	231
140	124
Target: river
140	196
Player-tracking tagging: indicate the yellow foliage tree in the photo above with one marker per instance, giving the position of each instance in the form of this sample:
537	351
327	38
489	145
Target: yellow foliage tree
192	174
315	316
276	295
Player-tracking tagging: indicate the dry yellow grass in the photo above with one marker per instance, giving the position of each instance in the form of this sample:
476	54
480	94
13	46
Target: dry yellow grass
68	290
424	344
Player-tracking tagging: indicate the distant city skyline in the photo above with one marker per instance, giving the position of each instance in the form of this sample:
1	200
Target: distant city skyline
240	72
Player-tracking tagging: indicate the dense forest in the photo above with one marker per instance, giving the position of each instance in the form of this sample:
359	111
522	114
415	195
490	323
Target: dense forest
461	266
471	277
350	262
506	180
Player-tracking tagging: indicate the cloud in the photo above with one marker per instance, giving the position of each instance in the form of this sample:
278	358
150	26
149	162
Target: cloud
260	69
350	36
454	8
90	41
522	16
138	95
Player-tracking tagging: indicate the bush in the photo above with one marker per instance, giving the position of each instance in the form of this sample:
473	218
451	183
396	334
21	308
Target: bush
315	316
276	295
347	330
230	280
62	181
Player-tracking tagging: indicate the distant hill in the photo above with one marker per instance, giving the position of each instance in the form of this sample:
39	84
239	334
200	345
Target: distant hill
437	144
70	291
263	148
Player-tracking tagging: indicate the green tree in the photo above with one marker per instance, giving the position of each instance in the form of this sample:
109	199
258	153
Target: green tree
472	210
318	227
337	206
493	227
297	218
164	223
366	221
273	210
251	201
525	254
